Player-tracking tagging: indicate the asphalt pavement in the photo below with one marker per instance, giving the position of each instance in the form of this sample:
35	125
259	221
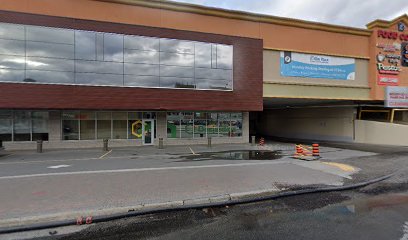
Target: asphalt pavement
68	183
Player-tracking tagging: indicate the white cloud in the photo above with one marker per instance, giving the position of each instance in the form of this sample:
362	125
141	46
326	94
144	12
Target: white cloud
356	13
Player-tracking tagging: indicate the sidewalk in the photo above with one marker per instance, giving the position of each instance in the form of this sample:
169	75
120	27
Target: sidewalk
150	178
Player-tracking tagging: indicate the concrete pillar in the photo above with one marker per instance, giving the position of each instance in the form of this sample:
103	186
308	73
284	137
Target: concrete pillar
161	127
54	126
245	126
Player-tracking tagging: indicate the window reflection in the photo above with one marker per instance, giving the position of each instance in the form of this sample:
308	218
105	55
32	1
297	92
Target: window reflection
11	75
34	76
141	43
15	62
177	59
41	49
12	47
85	45
99	79
12	31
142	69
52	55
113	47
39	63
45	34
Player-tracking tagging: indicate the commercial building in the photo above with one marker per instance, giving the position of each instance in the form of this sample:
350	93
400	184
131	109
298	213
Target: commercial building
133	71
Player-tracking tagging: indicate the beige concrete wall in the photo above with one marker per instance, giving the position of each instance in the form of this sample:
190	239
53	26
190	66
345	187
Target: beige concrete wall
381	133
331	124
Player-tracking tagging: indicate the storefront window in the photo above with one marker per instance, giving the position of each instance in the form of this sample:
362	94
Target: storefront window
40	125
87	125
70	125
22	126
6	118
104	125
135	125
203	124
119	124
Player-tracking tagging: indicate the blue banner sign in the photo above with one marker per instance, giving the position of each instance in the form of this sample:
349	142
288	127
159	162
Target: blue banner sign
316	66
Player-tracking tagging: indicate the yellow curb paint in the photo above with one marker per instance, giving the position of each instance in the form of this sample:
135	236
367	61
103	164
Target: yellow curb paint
342	166
105	154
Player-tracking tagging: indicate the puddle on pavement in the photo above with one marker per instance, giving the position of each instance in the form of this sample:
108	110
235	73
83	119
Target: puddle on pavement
234	155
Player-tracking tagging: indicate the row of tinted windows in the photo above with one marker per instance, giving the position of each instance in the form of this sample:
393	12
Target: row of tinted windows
50	55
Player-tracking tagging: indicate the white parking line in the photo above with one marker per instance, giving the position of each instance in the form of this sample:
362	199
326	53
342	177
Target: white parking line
59	166
105	154
137	170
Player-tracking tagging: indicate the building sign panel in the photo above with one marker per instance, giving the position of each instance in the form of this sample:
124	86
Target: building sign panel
404	54
316	66
388	80
396	97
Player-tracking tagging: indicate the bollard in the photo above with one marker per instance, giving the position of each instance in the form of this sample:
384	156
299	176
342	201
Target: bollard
105	145
39	146
209	141
253	141
161	143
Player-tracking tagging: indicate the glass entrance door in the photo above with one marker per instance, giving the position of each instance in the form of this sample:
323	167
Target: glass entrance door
148	132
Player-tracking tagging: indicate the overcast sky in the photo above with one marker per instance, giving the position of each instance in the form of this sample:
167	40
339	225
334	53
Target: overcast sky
355	13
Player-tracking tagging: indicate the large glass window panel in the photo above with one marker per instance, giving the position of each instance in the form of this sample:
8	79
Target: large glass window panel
12	31
212	125
99	46
178	46
99	79
175	82
113	47
45	34
141	43
142	69
200	128
54	64
200	115
142	81
236	128
137	56
85	45
11	75
15	62
213	84
224	56
87	125
172	71
119	129
213	74
224	128
22	126
203	55
6	125
119	124
135	125
98	67
173	124
70	125
186	128
12	47
104	125
56	50
34	76
177	59
40	125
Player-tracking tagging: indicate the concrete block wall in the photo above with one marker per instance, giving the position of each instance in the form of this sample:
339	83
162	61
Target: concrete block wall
329	124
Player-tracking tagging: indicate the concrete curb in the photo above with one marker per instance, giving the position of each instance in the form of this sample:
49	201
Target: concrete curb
219	199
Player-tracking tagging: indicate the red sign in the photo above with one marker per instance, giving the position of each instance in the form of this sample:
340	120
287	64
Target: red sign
387	80
392	35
